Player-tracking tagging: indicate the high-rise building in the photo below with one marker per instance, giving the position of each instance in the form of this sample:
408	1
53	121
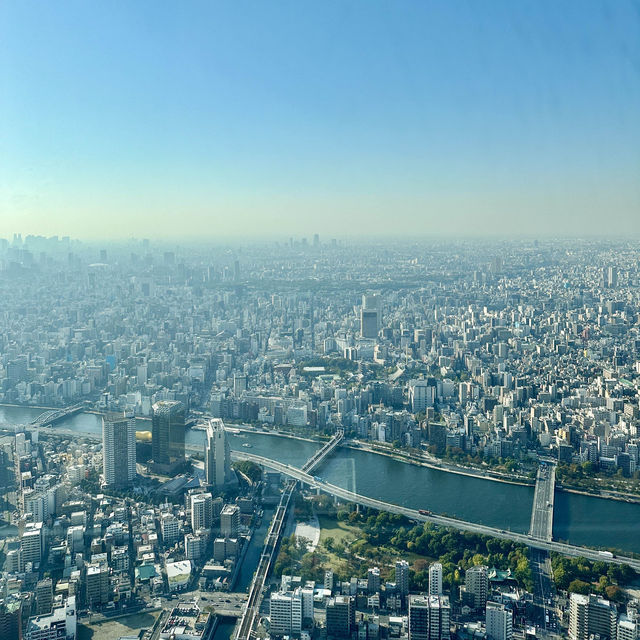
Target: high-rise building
170	528
591	615
217	454
44	596
230	521
370	316
285	613
11	617
435	579
167	436
341	617
32	544
476	582
119	450
499	622
402	577
201	511
429	618
373	580
97	584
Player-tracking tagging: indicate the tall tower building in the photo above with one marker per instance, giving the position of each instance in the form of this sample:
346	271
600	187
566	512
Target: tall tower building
217	454
435	579
402	577
167	443
119	450
370	316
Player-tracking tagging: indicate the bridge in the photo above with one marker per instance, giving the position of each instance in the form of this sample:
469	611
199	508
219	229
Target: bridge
55	415
542	510
319	456
444	521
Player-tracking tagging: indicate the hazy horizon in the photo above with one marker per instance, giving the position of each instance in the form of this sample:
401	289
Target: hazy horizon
229	120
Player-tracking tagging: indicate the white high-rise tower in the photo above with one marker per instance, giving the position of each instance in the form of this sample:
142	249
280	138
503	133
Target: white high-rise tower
217	454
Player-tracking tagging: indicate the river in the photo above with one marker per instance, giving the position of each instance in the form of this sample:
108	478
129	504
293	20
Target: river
582	520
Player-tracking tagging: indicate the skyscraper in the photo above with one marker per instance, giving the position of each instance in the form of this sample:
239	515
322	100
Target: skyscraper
167	440
370	316
217	454
119	450
435	579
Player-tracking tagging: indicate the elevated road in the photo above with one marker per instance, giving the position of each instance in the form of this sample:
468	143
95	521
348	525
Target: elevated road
445	521
542	510
244	628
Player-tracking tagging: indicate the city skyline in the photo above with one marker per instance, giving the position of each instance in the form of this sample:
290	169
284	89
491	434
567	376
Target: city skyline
213	120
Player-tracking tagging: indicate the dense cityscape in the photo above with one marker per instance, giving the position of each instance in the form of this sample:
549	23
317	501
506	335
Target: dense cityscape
320	438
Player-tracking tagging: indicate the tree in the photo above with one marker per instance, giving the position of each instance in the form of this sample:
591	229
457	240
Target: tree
579	586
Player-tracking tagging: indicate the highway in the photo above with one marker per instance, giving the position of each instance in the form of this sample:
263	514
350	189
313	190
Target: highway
542	510
445	521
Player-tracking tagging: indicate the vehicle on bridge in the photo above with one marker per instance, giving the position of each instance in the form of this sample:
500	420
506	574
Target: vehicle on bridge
424	512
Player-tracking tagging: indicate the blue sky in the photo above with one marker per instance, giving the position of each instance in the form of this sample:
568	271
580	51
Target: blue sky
197	119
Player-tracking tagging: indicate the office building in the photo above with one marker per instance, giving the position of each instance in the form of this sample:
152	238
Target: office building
119	450
97	584
167	435
61	623
170	529
32	544
435	579
370	316
230	521
44	596
285	613
341	617
429	617
591	615
217	454
499	622
402	577
11	617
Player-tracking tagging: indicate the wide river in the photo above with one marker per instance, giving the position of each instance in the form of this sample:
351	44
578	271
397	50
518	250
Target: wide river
582	520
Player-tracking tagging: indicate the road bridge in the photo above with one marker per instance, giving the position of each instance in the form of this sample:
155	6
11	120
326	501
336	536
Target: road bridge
55	415
320	455
445	521
542	510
